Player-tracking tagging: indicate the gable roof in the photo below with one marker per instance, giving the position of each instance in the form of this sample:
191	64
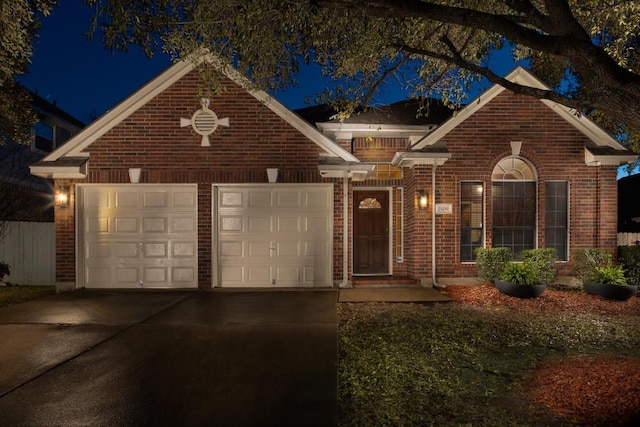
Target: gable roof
615	155
411	118
76	146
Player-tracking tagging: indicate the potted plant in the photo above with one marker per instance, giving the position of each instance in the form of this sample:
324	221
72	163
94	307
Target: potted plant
529	278
609	282
518	279
4	270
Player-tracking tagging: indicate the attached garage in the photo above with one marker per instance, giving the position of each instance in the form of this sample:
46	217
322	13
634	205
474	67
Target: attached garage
273	235
138	236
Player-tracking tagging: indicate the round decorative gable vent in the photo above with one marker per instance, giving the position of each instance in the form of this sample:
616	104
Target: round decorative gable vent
204	122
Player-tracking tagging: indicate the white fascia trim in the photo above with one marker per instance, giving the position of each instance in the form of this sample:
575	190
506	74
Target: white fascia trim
584	125
519	75
591	159
407	159
59	172
349	130
124	109
357	172
76	146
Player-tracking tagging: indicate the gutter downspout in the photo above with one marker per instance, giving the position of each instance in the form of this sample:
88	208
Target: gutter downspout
345	231
433	224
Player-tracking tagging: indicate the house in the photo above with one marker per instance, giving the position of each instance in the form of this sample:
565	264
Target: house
27	197
379	195
26	202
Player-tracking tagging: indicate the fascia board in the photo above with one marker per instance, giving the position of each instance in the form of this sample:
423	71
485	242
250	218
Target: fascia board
584	125
59	172
591	159
76	146
459	117
124	109
408	159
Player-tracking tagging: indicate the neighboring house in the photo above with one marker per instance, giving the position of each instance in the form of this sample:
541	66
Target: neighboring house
629	204
26	201
381	194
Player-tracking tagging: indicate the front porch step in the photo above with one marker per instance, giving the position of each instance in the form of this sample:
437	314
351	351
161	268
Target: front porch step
383	281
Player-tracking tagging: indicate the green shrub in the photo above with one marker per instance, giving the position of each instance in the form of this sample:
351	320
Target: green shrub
586	260
4	270
519	273
629	257
542	262
491	262
608	275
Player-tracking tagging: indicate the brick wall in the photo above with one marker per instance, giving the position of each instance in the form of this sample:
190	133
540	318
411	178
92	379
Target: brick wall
151	138
556	150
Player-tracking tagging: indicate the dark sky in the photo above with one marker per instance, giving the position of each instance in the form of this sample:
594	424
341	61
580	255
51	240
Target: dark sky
86	80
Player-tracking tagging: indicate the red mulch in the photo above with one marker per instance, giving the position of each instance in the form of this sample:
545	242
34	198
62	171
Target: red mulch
603	391
573	301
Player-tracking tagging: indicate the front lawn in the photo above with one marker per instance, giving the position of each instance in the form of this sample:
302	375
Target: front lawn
15	294
468	365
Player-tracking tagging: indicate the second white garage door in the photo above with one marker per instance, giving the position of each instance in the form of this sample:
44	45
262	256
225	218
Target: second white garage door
273	235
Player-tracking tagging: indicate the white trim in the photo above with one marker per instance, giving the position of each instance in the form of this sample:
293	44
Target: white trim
76	145
342	130
408	159
391	248
523	77
591	159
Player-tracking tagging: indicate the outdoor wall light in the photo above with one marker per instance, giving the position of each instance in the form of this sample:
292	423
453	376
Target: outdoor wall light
423	199
62	197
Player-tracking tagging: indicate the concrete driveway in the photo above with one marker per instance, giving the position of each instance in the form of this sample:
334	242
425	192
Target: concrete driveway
174	358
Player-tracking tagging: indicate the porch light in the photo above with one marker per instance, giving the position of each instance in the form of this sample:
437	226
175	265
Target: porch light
62	197
423	199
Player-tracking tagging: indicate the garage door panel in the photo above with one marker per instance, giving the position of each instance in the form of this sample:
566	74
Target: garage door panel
184	249
155	275
155	225
155	199
126	249
259	248
126	225
184	224
126	199
259	224
184	199
260	198
231	223
274	235
128	276
145	237
98	225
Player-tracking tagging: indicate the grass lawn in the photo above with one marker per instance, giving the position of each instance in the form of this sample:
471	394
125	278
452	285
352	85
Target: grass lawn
16	294
460	365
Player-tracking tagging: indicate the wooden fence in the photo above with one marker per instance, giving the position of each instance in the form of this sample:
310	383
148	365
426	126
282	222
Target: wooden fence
30	249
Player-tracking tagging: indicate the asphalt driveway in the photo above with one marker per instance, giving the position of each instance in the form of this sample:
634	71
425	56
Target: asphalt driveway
179	358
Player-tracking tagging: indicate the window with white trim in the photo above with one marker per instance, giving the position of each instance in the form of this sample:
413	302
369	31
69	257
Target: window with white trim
514	205
556	224
471	219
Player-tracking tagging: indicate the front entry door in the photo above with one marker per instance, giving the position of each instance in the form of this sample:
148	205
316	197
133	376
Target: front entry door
371	232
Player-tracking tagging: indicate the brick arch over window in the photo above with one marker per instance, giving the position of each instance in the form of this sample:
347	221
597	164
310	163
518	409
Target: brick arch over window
514	204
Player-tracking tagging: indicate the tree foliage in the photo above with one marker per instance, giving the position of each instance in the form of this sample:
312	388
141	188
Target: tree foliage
19	23
442	46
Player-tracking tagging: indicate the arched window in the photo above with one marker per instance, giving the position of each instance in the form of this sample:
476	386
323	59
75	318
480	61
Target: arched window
514	204
370	203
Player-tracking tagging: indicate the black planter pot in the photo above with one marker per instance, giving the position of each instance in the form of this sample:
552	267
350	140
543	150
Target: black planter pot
520	291
614	292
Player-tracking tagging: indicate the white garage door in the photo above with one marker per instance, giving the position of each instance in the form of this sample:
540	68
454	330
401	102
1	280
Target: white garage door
273	235
138	236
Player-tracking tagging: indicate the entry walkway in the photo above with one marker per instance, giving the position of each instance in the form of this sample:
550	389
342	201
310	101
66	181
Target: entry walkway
392	294
154	358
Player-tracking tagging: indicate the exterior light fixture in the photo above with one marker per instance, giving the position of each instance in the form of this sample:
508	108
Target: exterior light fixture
62	197
423	199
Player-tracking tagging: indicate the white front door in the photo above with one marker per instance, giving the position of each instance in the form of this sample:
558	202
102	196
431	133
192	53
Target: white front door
273	235
138	235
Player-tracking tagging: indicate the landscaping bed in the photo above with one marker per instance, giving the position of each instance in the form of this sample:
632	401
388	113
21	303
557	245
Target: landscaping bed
563	359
